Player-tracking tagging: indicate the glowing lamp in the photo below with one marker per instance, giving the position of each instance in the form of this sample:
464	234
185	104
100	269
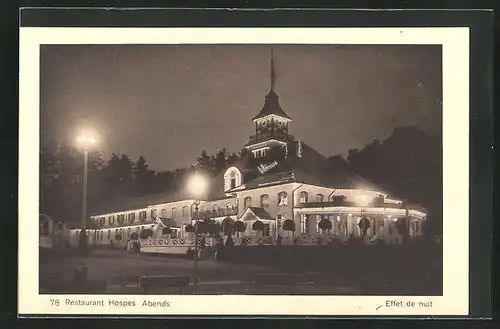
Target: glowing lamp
197	185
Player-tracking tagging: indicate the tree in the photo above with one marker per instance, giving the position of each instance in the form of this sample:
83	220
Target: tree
228	226
408	164
205	162
143	177
134	236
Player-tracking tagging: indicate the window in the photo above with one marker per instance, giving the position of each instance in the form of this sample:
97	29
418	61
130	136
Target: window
132	217
153	213
174	213
319	197
267	230
232	178
247	202
303	224
264	201
185	211
303	197
109	234
164	213
282	199
128	232
215	207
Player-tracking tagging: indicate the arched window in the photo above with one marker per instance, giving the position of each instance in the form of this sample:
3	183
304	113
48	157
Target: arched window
174	213
303	197
164	213
232	178
109	234
264	201
247	202
185	211
282	199
319	197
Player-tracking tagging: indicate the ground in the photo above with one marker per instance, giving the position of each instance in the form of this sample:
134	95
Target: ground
215	277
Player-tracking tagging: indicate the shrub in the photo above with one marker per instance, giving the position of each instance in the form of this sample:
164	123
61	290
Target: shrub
325	224
289	225
118	237
134	236
240	226
189	228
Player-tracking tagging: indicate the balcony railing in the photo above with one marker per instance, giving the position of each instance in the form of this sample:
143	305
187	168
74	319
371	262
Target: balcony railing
221	212
270	135
377	204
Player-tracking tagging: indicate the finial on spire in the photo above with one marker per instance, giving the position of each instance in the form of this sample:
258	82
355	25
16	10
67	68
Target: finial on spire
272	70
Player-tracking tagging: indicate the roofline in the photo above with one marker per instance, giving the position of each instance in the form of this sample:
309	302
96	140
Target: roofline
264	142
257	117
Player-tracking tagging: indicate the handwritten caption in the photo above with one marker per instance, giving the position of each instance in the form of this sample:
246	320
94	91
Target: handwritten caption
406	304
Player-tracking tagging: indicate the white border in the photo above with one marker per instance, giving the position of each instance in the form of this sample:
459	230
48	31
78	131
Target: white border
455	43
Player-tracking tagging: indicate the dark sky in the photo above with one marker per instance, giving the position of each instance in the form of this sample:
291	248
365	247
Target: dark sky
169	102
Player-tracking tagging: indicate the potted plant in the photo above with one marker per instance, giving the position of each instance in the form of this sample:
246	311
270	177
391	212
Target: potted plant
239	227
364	225
289	226
325	225
258	226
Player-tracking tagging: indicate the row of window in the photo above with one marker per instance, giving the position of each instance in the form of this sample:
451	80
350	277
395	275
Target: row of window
282	199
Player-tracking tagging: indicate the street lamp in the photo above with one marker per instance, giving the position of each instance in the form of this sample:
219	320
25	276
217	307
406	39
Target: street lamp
85	141
197	186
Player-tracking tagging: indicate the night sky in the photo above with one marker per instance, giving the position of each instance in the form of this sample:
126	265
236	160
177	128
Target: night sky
169	102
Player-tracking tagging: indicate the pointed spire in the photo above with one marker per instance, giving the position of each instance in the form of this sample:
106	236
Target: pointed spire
273	77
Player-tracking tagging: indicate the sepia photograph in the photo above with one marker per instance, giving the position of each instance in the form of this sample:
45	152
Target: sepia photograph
247	169
308	171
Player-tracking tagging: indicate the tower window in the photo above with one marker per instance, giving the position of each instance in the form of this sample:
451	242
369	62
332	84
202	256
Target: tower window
233	183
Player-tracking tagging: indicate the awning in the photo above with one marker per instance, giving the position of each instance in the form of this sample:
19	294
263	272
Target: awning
169	222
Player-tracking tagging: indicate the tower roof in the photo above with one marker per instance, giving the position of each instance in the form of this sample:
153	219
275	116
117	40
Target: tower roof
272	105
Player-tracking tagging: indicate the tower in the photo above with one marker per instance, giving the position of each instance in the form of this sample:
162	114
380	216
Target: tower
271	123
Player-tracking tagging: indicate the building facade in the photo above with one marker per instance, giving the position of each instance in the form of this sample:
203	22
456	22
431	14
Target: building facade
283	183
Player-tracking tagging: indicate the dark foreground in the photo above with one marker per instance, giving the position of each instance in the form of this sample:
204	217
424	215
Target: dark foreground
116	272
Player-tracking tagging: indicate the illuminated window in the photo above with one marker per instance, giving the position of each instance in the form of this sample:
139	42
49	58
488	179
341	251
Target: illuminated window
185	211
303	223
264	201
247	202
303	197
164	213
319	197
282	199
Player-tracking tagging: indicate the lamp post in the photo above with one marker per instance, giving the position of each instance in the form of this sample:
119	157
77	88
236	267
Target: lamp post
197	185
86	142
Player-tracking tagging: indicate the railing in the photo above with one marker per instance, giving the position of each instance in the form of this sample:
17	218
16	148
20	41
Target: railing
220	212
377	204
269	135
